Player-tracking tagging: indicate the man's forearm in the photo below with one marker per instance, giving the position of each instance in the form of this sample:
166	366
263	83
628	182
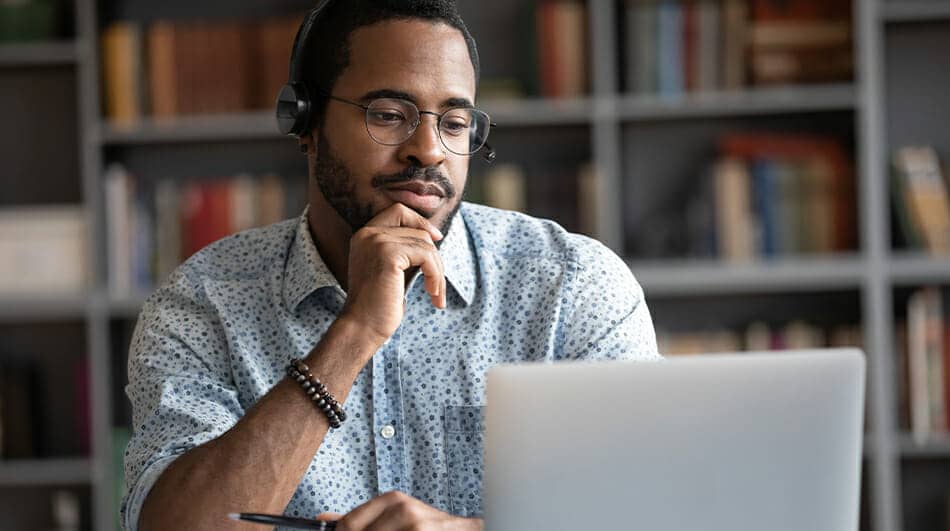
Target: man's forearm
256	465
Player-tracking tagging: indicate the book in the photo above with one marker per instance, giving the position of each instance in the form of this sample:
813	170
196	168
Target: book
162	70
800	42
119	198
561	27
925	333
505	187
670	53
44	250
708	45
734	23
548	64
588	193
734	222
121	73
21	426
641	46
925	196
572	47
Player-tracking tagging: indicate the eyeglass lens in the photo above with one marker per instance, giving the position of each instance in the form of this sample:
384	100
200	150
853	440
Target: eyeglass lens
391	122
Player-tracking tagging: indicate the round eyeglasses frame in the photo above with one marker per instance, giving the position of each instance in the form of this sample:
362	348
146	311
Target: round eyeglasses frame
415	126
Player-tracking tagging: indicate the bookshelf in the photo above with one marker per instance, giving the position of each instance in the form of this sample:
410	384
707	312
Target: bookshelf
53	53
895	98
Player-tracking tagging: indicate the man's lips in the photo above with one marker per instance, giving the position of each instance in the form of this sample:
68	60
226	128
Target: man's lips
416	195
418	188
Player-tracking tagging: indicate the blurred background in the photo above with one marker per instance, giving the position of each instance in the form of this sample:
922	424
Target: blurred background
770	169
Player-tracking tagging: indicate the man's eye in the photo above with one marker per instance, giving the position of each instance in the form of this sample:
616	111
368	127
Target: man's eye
386	117
455	127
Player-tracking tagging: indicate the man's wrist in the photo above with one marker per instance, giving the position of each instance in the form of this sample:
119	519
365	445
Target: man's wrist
356	336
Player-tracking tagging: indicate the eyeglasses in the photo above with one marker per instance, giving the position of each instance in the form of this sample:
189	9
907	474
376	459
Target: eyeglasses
392	121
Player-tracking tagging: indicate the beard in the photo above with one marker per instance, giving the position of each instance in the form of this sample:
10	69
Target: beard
338	187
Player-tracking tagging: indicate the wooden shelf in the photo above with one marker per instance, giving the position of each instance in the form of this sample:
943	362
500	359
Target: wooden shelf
915	269
260	125
38	54
42	306
753	101
915	10
538	111
711	277
19	473
245	126
937	447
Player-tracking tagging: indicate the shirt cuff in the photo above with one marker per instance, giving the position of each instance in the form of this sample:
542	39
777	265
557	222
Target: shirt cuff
136	497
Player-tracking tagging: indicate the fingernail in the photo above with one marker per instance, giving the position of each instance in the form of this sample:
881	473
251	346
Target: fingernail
438	232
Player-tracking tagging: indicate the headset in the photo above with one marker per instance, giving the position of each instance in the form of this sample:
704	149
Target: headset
294	107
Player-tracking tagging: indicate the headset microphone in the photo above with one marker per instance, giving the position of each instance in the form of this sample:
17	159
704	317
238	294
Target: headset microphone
489	154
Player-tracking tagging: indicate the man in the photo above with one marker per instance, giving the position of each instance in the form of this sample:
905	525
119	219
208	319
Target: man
397	296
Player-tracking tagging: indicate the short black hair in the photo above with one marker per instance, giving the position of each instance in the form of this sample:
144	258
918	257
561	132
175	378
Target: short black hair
327	52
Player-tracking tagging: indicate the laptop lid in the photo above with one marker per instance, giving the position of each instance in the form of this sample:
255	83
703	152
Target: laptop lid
714	442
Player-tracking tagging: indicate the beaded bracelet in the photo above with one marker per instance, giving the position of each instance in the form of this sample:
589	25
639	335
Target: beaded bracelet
317	392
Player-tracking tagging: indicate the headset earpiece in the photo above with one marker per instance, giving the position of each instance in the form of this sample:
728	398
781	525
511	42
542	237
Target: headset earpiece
293	109
293	100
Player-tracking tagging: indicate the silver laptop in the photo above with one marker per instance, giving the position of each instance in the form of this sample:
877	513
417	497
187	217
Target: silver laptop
736	442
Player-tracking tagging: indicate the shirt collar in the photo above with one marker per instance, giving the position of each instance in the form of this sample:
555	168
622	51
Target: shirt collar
459	258
305	271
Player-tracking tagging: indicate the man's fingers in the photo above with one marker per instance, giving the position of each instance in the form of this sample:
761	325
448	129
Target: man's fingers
399	215
328	517
418	249
360	518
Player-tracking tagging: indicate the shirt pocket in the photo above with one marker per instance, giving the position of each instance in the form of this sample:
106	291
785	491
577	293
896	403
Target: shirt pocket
464	457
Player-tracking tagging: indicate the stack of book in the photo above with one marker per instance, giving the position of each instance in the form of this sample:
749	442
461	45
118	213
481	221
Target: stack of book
152	229
776	195
759	337
923	349
26	388
921	202
677	46
168	69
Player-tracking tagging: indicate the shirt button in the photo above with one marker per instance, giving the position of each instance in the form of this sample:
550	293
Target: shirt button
388	432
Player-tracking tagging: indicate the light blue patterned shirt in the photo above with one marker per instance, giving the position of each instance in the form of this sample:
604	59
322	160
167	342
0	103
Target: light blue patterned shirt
219	334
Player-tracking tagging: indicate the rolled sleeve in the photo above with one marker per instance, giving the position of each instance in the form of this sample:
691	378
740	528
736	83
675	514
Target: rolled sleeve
180	386
608	317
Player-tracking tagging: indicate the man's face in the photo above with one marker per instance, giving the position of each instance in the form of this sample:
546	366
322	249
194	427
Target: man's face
425	62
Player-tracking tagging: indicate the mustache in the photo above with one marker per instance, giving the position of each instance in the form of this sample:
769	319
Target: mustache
417	173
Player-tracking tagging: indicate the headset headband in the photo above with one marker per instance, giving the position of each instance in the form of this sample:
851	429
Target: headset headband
300	41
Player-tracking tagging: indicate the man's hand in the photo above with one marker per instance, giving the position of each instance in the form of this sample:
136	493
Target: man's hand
394	241
395	511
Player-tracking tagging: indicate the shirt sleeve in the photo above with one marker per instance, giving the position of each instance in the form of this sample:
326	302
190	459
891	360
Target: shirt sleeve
180	386
607	317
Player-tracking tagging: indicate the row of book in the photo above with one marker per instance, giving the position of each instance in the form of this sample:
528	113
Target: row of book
25	392
758	337
569	198
678	46
921	200
923	354
167	69
153	227
772	195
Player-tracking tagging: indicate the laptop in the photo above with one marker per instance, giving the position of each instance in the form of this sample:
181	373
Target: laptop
717	442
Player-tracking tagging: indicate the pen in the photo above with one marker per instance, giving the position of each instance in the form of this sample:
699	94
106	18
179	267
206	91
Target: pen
284	521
